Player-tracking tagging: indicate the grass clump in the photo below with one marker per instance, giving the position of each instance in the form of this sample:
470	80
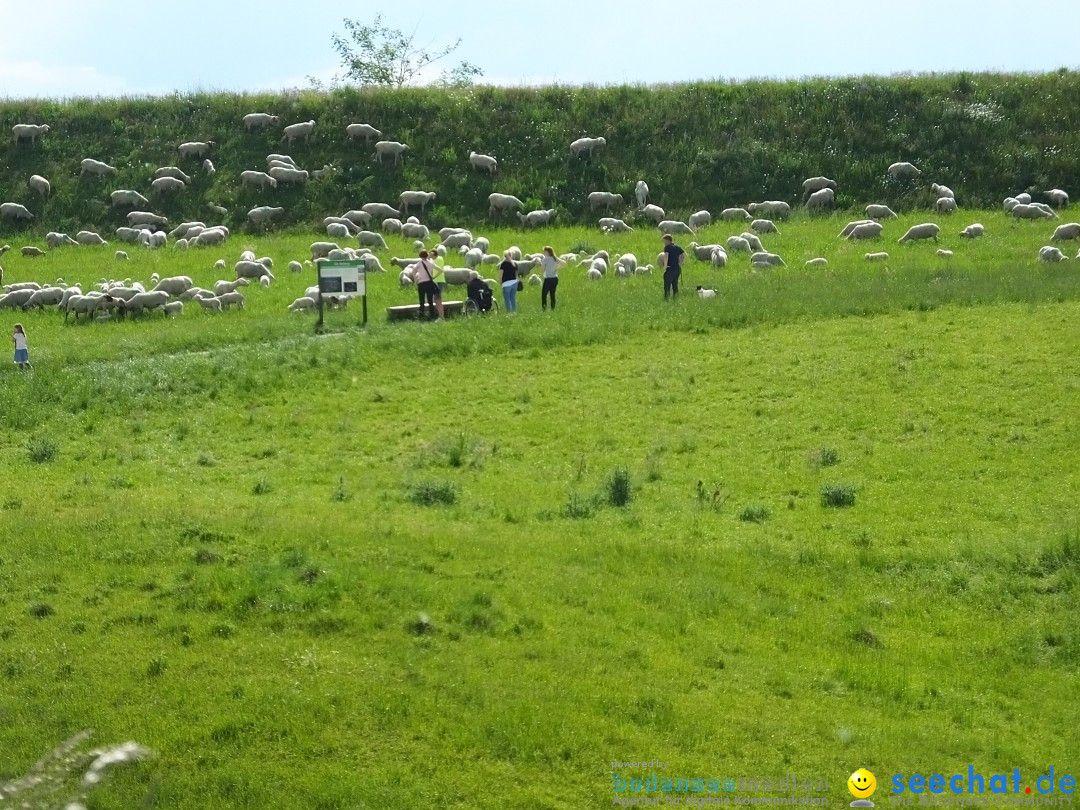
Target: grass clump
754	513
206	459
41	449
619	491
432	493
837	496
42	610
340	493
262	487
579	507
828	457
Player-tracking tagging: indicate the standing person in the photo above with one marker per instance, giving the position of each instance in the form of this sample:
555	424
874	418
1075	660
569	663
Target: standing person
22	354
509	282
426	288
552	266
674	256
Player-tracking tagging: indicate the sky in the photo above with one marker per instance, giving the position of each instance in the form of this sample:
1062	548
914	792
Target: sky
76	48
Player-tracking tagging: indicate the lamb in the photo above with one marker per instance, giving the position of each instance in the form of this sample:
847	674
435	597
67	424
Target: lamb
644	271
1028	211
703	252
223	286
773	209
384	149
604	198
365	131
357	217
945	254
32	252
876	257
718	257
945	205
174	285
173	308
867	230
263	214
325	171
942	191
483	162
653	212
195	292
851	226
903	170
210	304
54	239
670	226
762	226
372	265
594	274
10	210
821	200
337	230
621	271
128	197
731	214
230	298
414	230
194	149
379	210
21	132
818	262
1068	231
972	231
874	211
586	146
535	280
258	121
812	184
699	219
752	240
145	218
284	174
927	230
172	171
260	179
736	244
89	238
612	225
167	184
641	192
371	238
391	225
627	260
303	304
40	185
1057	197
535	219
1051	254
411	198
503	202
765	256
120	254
599	264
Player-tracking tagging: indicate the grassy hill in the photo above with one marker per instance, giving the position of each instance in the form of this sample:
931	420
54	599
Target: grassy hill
697	145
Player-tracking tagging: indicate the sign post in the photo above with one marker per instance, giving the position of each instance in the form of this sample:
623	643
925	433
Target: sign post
340	281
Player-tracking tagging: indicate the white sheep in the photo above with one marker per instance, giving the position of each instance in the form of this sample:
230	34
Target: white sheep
875	211
945	205
703	252
337	230
1058	198
866	230
174	285
503	202
973	231
54	239
21	132
613	225
303	304
594	274
671	226
604	198
263	214
851	226
413	230
391	225
927	230
194	149
95	167
627	260
128	197
40	185
357	217
173	308
731	214
762	226
32	252
765	256
942	191
211	236
405	278
644	270
300	130
230	298
456	240
371	239
773	209
145	218
285	174
820	200
411	198
699	219
945	254
753	240
719	257
296	267
1045	209
653	212
164	185
1049	253
585	146
365	131
1023	199
120	254
258	121
380	210
184	228
535	280
224	286
1029	211
325	171
483	162
1070	230
139	302
641	192
736	244
385	149
818	262
534	219
876	257
812	184
158	239
903	170
209	304
173	171
217	209
254	178
89	238
208	167
761	265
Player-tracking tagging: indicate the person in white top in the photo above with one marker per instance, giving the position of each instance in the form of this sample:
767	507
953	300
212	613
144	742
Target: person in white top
552	266
424	276
22	354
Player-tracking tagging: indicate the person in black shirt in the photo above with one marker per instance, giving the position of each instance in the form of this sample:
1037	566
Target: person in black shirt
509	282
674	256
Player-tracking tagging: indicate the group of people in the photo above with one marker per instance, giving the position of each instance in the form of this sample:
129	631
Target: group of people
429	288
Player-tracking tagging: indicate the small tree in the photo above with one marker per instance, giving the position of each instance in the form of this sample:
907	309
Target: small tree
378	56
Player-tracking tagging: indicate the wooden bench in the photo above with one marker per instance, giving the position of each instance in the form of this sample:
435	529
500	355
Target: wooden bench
412	311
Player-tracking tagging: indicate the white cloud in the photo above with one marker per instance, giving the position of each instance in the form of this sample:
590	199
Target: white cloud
31	79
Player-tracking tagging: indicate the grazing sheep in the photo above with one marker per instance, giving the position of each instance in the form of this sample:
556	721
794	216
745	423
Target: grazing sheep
263	214
194	149
594	274
89	238
411	198
604	198
337	230
120	254
32	251
381	210
1045	208
54	239
903	170
645	270
258	121
211	236
95	167
653	212
351	226
10	210
483	162
503	202
1050	253
753	240
174	285
535	280
876	257
761	265
671	226
184	228
145	218
456	240
942	191
866	230
248	268
765	256
371	239
1023	199
718	257
163	185
874	211
945	254
818	262
535	219
285	174
365	131
1029	211
762	226
1057	197
296	267
627	260
703	252
820	200
223	286
172	171
300	130
927	230
851	226
585	146
641	192
230	298
812	184
40	185
945	205
612	225
21	132
736	244
325	171
303	304
218	209
972	231
731	214
254	178
405	278
391	225
145	301
210	304
1070	230
773	209
384	149
128	197
699	219
357	217
46	297
413	230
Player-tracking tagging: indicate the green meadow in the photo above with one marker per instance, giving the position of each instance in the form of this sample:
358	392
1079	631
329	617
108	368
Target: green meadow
827	519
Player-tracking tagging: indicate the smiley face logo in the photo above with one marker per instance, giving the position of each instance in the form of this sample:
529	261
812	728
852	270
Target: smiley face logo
862	784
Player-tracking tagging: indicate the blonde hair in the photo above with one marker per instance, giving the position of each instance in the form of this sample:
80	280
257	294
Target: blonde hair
507	254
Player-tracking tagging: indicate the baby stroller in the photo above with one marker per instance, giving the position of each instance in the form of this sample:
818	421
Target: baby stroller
479	298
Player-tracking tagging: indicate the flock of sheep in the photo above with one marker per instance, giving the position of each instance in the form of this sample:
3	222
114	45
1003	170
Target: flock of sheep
147	228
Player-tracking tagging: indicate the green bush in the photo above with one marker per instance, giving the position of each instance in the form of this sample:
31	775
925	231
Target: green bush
837	495
432	493
619	491
41	449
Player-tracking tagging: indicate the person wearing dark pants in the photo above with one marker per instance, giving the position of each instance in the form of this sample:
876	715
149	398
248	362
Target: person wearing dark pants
552	266
426	288
674	256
